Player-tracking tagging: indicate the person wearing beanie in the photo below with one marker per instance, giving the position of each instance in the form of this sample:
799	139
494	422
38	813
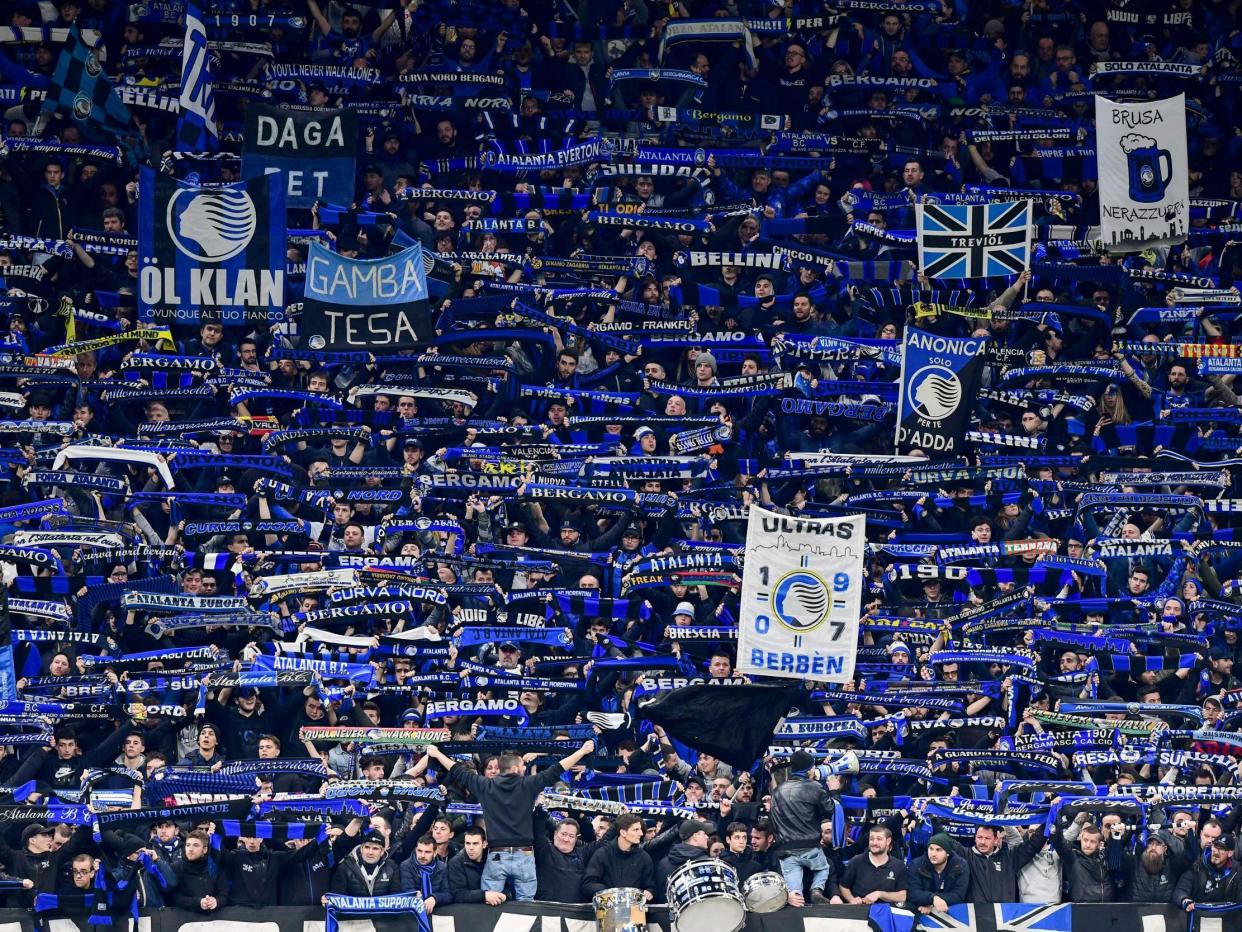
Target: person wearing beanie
799	805
939	879
705	370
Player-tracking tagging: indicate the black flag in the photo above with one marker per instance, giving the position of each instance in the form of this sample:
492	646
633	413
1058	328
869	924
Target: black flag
733	723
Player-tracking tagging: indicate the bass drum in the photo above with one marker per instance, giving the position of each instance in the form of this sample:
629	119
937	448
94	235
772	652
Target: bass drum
703	896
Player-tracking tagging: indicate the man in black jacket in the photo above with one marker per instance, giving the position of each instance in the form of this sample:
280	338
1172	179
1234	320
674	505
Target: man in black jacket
304	881
737	853
622	863
253	871
368	870
202	887
692	847
465	871
560	860
508	802
799	805
1150	874
994	865
1085	867
1210	879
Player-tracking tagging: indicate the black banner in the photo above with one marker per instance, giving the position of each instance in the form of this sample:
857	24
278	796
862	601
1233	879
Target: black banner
314	150
546	917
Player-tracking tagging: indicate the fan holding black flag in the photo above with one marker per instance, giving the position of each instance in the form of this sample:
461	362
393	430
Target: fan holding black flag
733	723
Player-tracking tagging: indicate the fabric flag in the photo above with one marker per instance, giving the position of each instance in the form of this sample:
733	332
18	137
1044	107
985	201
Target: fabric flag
801	592
196	126
1141	158
315	151
939	382
8	680
974	240
733	723
219	249
81	89
360	304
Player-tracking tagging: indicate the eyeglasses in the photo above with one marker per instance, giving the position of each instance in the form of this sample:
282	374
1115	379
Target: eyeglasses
83	871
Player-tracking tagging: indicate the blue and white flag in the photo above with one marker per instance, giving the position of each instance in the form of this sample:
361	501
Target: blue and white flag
801	592
939	384
196	126
974	240
361	304
219	249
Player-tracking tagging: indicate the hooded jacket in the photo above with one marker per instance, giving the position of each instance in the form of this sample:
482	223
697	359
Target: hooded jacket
681	853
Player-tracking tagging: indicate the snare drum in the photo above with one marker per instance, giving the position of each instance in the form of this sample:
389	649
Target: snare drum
765	892
703	897
621	909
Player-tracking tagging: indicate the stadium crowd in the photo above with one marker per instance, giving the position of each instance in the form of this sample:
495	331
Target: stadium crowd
252	571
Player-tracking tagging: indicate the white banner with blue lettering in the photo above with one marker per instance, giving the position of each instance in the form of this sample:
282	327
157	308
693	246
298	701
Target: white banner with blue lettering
365	304
801	596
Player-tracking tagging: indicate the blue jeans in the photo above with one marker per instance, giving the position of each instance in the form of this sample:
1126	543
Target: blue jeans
500	867
813	860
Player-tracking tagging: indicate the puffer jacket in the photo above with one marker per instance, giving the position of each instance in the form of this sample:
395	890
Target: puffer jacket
351	879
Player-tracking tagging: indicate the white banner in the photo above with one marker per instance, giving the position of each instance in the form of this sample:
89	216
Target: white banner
1143	173
801	596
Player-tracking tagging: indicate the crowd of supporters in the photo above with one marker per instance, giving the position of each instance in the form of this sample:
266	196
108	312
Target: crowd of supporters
275	540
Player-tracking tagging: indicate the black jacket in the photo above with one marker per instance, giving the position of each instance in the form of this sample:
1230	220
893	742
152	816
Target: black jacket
746	865
681	853
1086	874
304	880
994	877
465	878
560	875
197	879
1203	883
508	802
351	879
611	867
1146	887
253	877
925	882
798	807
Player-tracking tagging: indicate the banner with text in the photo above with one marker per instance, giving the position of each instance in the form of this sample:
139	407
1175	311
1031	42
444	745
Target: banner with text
216	251
939	381
1144	188
315	151
801	588
365	304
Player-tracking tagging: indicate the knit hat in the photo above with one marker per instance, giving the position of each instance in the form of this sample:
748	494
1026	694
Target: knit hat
705	357
941	840
800	762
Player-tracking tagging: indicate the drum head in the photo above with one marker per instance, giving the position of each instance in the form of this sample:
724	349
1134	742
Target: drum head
714	914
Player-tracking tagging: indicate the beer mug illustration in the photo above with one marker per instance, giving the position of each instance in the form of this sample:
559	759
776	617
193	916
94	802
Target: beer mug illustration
1143	160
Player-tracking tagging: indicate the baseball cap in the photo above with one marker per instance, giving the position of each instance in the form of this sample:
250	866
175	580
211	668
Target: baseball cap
373	838
35	828
692	827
